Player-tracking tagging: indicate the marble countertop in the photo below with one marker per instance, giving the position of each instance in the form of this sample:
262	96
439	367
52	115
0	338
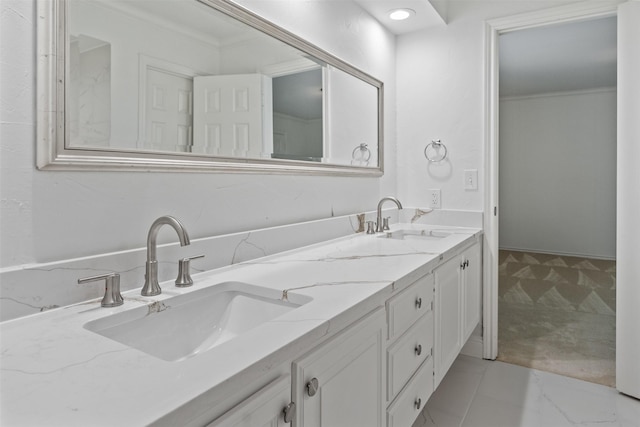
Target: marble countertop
56	372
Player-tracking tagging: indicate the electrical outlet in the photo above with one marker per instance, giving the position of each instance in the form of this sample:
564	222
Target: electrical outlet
471	179
434	199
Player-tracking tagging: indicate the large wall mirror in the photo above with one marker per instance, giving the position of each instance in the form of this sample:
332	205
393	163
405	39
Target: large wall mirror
197	85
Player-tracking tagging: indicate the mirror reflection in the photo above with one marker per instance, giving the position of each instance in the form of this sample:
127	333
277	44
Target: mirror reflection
180	77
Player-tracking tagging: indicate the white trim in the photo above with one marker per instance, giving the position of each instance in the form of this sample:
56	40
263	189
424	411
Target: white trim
490	220
568	13
557	15
327	152
289	67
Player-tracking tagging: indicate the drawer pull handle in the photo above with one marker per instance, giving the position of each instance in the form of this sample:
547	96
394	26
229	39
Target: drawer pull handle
418	303
418	403
418	350
289	412
312	387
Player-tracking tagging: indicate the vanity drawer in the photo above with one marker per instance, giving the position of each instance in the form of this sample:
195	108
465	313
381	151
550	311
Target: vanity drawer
404	411
404	309
408	353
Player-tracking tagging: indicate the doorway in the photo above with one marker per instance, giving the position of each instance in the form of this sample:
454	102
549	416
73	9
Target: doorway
557	186
493	228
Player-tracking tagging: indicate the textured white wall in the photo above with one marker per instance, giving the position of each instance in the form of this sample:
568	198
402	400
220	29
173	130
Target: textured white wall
441	86
440	89
46	216
558	173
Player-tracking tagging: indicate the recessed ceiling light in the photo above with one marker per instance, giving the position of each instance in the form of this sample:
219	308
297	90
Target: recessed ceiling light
401	14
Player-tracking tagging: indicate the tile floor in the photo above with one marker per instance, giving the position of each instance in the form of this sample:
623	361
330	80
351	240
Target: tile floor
482	393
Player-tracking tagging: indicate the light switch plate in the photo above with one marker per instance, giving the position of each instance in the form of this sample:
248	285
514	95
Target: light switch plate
471	179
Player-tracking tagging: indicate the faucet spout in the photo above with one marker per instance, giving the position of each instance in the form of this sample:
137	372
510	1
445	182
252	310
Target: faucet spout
153	234
379	226
151	286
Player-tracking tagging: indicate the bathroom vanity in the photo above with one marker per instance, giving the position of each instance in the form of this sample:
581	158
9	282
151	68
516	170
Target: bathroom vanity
355	331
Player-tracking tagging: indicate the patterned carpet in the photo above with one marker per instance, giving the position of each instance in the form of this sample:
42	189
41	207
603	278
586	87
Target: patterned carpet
557	314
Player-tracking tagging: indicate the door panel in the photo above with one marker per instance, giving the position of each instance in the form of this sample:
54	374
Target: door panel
232	116
168	111
628	201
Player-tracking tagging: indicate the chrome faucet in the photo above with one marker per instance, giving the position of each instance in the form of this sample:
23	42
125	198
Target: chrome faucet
379	225
151	286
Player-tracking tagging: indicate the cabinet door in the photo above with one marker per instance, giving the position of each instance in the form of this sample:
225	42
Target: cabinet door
448	316
265	408
341	384
472	289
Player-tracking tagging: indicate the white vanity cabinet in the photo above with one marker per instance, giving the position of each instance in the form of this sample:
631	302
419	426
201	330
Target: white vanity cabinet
472	289
448	316
342	382
268	407
457	306
410	352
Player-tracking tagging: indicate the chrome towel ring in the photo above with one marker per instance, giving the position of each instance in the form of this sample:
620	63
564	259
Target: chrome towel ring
436	151
361	154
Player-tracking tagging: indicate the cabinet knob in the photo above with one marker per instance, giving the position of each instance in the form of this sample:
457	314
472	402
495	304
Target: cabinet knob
418	302
418	403
418	350
289	412
312	387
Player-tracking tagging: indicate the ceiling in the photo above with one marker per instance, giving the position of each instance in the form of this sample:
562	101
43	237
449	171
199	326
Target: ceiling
428	13
564	57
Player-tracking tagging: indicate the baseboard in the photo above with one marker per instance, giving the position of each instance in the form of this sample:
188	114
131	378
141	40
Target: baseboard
559	253
473	347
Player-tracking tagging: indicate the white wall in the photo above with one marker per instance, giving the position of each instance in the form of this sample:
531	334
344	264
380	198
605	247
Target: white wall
440	90
441	96
47	216
558	173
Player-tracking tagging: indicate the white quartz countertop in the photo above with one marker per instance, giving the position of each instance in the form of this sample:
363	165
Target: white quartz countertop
56	372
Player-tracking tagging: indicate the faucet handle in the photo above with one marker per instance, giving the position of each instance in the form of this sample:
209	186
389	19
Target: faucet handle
385	223
184	277
371	227
112	296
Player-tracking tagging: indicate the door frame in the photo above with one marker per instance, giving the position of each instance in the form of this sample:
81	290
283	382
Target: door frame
493	29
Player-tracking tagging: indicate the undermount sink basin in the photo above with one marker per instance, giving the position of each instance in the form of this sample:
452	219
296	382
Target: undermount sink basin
415	234
186	325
